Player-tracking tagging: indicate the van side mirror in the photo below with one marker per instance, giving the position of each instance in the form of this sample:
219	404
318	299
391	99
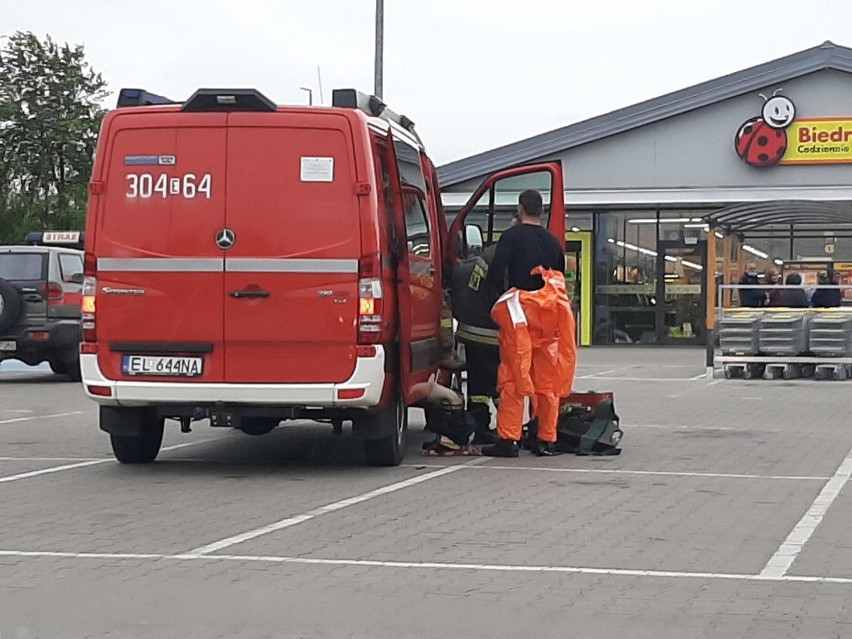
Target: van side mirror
77	278
473	240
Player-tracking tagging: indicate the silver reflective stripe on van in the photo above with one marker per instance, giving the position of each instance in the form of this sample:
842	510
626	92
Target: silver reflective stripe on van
289	265
231	264
184	264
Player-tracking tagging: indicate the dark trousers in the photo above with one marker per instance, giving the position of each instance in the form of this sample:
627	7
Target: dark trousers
482	363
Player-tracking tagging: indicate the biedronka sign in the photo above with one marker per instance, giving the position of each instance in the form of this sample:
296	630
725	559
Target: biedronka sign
776	137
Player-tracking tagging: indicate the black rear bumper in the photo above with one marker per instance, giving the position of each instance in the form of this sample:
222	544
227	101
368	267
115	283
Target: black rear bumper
62	339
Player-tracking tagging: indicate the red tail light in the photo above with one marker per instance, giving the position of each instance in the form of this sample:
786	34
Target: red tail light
87	301
52	292
103	391
90	265
372	324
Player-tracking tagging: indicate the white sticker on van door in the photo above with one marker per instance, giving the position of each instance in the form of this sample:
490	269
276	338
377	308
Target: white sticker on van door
317	169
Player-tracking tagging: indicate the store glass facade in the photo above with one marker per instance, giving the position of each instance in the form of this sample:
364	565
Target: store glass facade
641	182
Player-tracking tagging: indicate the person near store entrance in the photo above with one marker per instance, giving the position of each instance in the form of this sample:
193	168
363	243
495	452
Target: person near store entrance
535	347
773	294
825	297
472	297
793	297
751	297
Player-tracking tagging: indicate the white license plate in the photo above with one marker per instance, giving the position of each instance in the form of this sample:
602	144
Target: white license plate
159	366
8	346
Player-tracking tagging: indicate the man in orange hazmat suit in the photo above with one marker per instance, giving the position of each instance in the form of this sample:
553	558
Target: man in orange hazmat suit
538	357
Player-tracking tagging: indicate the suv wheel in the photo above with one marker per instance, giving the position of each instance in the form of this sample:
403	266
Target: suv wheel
72	367
10	304
66	364
57	366
389	450
142	448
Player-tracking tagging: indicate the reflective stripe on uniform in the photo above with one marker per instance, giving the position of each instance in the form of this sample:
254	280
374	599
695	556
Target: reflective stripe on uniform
447	322
479	399
475	330
479	339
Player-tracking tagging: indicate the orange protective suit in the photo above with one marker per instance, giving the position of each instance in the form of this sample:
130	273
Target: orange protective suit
538	355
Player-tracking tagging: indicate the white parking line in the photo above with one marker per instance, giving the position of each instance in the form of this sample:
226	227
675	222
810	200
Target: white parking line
35	417
637	379
616	471
328	508
679	427
52	469
780	562
32	459
604	372
93	462
618	572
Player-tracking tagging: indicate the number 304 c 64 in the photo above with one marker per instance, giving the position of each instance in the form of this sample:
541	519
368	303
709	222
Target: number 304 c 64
189	185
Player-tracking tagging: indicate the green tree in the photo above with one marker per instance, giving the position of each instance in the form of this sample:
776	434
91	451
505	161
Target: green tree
50	115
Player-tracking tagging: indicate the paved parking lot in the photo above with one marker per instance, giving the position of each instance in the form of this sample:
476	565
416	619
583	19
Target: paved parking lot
727	515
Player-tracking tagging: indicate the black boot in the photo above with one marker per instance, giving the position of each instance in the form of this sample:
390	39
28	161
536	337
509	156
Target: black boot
482	437
545	449
503	448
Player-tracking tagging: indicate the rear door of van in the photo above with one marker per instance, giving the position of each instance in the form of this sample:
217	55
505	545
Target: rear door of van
291	276
160	207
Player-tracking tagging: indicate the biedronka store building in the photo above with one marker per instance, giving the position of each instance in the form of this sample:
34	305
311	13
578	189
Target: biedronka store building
752	167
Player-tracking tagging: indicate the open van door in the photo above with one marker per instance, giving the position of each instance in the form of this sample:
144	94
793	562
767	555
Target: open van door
416	251
491	206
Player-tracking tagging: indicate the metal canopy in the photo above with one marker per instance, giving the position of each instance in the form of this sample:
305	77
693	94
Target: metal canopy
788	216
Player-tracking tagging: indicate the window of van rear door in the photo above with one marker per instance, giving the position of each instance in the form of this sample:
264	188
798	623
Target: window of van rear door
292	275
160	272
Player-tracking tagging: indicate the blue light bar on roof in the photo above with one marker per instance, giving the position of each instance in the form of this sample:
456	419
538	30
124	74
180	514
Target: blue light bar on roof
140	97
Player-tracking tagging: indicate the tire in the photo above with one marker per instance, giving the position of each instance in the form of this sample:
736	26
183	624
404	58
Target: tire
390	449
141	449
57	366
67	366
10	304
72	368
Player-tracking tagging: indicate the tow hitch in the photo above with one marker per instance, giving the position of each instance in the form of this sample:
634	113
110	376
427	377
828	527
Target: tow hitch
224	419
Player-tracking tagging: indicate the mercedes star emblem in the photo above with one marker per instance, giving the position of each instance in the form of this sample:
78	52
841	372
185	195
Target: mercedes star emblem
225	238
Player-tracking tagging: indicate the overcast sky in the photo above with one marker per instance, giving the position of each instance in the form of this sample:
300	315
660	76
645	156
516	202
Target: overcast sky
472	74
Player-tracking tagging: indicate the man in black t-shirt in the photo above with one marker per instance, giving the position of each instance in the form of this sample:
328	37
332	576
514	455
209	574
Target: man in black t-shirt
524	246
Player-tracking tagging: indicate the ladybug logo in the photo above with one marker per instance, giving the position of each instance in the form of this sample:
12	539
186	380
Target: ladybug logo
762	141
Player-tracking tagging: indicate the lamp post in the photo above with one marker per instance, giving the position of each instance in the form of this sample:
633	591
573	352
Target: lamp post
310	95
380	39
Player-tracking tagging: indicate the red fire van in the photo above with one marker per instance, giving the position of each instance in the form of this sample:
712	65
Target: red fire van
249	263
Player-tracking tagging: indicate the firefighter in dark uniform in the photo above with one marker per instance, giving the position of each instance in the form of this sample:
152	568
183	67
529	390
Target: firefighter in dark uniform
472	300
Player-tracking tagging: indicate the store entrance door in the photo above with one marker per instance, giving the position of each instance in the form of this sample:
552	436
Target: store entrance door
680	294
578	279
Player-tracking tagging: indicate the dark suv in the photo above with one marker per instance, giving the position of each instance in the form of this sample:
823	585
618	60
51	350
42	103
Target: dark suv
41	283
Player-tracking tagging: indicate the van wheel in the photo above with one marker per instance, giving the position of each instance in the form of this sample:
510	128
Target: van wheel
142	448
390	449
